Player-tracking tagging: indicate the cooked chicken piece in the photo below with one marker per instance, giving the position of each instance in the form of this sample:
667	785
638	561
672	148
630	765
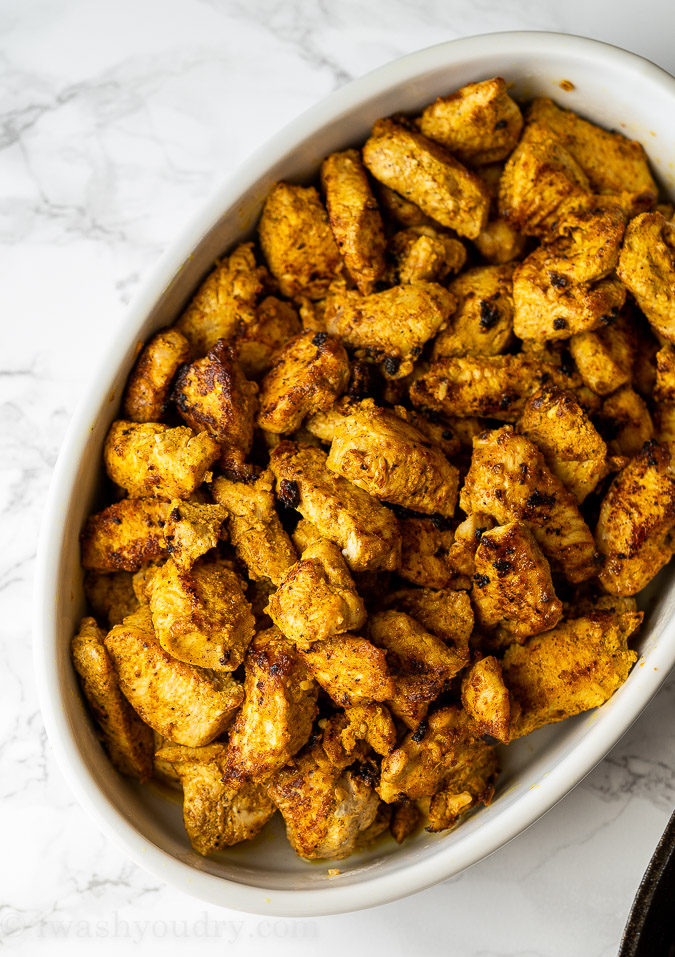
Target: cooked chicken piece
349	734
571	445
647	268
366	531
297	241
125	535
350	669
191	530
420	662
326	809
483	320
627	422
111	597
391	326
605	357
486	699
404	821
312	314
512	587
424	254
317	597
215	815
162	771
471	783
148	458
127	740
636	517
577	666
425	173
224	302
354	218
428	553
467	538
276	321
147	390
305	534
499	242
664	422
509	480
201	616
189	705
276	717
664	389
256	532
444	613
401	211
308	374
613	164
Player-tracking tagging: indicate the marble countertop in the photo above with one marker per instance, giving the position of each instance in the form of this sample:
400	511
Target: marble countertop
117	119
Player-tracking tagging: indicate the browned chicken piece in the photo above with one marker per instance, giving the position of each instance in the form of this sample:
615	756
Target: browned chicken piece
424	254
499	242
564	288
664	388
605	358
445	613
224	302
390	326
125	535
297	241
366	531
276	321
127	740
405	820
305	534
162	771
512	587
478	124
350	733
393	461
312	313
614	165
577	666
510	480
647	268
562	186
147	390
483	320
317	597
256	532
420	663
111	597
276	717
189	705
354	218
425	173
201	616
472	782
326	809
467	537
150	459
572	447
401	211
434	427
637	516
216	816
191	530
428	553
486	699
350	669
308	374
626	419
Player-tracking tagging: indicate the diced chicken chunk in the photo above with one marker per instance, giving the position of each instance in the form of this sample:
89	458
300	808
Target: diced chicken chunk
445	613
350	669
482	323
425	254
350	733
625	418
486	699
191	530
276	321
125	535
147	390
111	597
471	783
647	268
428	553
604	358
664	388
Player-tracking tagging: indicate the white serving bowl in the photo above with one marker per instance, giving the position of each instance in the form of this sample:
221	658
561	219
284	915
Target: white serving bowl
615	89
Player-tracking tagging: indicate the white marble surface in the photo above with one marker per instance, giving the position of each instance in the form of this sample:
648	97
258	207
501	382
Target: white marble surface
117	119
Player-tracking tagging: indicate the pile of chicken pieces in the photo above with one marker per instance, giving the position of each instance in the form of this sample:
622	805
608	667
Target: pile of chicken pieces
384	495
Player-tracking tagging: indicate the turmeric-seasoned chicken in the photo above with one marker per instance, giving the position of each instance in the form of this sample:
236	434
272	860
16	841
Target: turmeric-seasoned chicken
401	211
111	597
276	321
605	357
647	269
125	535
471	782
625	419
443	612
664	387
348	734
482	323
147	390
350	669
498	242
191	530
486	699
425	254
428	553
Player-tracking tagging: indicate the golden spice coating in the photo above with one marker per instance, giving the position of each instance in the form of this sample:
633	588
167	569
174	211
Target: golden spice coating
405	820
647	268
479	124
111	597
512	587
354	218
605	357
215	815
191	530
276	717
401	211
317	597
348	734
425	173
150	459
467	536
444	613
499	242
614	165
482	323
509	479
276	321
186	704
427	553
127	740
224	302
664	387
636	517
390	326
350	669
424	254
147	390
379	452
486	699
297	241
470	783
304	535
201	616
366	531
125	535
308	374
572	446
577	666
625	416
